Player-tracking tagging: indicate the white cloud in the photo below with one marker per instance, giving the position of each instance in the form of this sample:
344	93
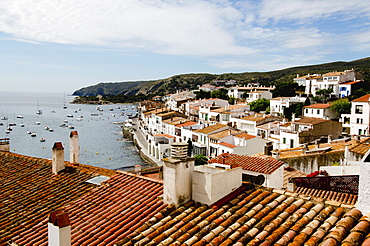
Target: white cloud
181	28
205	28
277	10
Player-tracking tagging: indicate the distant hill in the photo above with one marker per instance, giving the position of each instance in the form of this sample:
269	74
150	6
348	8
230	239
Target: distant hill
191	81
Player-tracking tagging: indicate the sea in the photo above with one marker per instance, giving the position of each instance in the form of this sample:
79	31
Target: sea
99	130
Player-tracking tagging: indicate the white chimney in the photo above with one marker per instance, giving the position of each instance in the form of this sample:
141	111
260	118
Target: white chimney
74	148
177	175
59	229
58	157
364	185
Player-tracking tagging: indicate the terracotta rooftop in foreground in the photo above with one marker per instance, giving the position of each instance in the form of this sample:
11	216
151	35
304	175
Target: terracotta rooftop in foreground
256	216
254	164
365	98
29	190
107	214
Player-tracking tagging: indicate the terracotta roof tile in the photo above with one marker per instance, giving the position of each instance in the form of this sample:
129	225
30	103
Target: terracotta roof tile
249	163
258	216
318	105
365	98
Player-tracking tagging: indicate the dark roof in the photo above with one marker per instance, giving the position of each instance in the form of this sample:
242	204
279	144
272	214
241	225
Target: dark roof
30	191
106	214
255	216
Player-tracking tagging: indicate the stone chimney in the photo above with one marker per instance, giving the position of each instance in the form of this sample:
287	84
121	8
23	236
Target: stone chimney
177	175
74	148
59	229
268	148
58	157
5	144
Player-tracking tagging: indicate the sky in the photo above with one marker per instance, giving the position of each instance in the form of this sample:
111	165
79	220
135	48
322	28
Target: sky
64	45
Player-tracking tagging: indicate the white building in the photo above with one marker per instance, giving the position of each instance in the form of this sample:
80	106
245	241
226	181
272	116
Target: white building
238	91
357	123
255	95
320	110
278	104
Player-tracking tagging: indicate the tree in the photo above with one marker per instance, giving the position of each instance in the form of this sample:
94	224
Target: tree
341	106
259	104
202	94
221	93
324	93
286	89
200	160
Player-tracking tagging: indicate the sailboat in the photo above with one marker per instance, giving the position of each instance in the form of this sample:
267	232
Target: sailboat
38	111
64	105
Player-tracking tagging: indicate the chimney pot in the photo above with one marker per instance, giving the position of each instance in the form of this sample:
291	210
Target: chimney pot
58	157
59	229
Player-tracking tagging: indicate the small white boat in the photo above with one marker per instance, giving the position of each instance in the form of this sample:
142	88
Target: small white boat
22	125
71	127
110	109
62	125
38	123
4	118
53	111
19	116
9	128
1	124
33	134
42	139
51	130
65	121
7	131
94	114
29	132
69	115
39	111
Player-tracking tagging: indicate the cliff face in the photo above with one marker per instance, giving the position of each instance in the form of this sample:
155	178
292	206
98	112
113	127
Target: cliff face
192	81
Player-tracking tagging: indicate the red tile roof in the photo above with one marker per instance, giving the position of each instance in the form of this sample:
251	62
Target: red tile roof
254	164
255	217
365	98
30	191
107	214
328	195
318	105
244	135
227	145
164	135
352	82
185	124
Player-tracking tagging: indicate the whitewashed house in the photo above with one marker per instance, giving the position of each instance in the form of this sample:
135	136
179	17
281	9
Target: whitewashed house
278	104
320	110
357	123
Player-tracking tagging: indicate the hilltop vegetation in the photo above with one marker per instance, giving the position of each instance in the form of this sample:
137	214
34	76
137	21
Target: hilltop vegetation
279	78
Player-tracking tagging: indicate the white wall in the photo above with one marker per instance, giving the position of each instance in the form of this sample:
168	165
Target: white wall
341	170
211	184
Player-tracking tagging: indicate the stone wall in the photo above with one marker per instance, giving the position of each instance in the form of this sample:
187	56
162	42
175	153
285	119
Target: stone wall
311	163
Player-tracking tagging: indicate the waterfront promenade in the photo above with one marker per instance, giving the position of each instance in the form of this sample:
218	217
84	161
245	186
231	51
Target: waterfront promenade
142	144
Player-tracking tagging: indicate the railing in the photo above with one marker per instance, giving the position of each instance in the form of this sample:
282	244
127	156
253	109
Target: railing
345	184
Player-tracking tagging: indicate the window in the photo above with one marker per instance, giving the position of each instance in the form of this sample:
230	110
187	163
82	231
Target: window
343	88
318	111
291	143
358	109
306	110
359	120
284	140
359	131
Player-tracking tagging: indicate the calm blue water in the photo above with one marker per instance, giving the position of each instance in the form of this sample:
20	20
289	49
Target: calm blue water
100	140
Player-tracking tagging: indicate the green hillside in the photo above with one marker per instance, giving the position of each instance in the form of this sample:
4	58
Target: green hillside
191	81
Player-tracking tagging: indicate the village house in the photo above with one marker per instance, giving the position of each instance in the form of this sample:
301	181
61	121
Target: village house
346	89
320	110
279	104
240	91
249	123
327	81
357	123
